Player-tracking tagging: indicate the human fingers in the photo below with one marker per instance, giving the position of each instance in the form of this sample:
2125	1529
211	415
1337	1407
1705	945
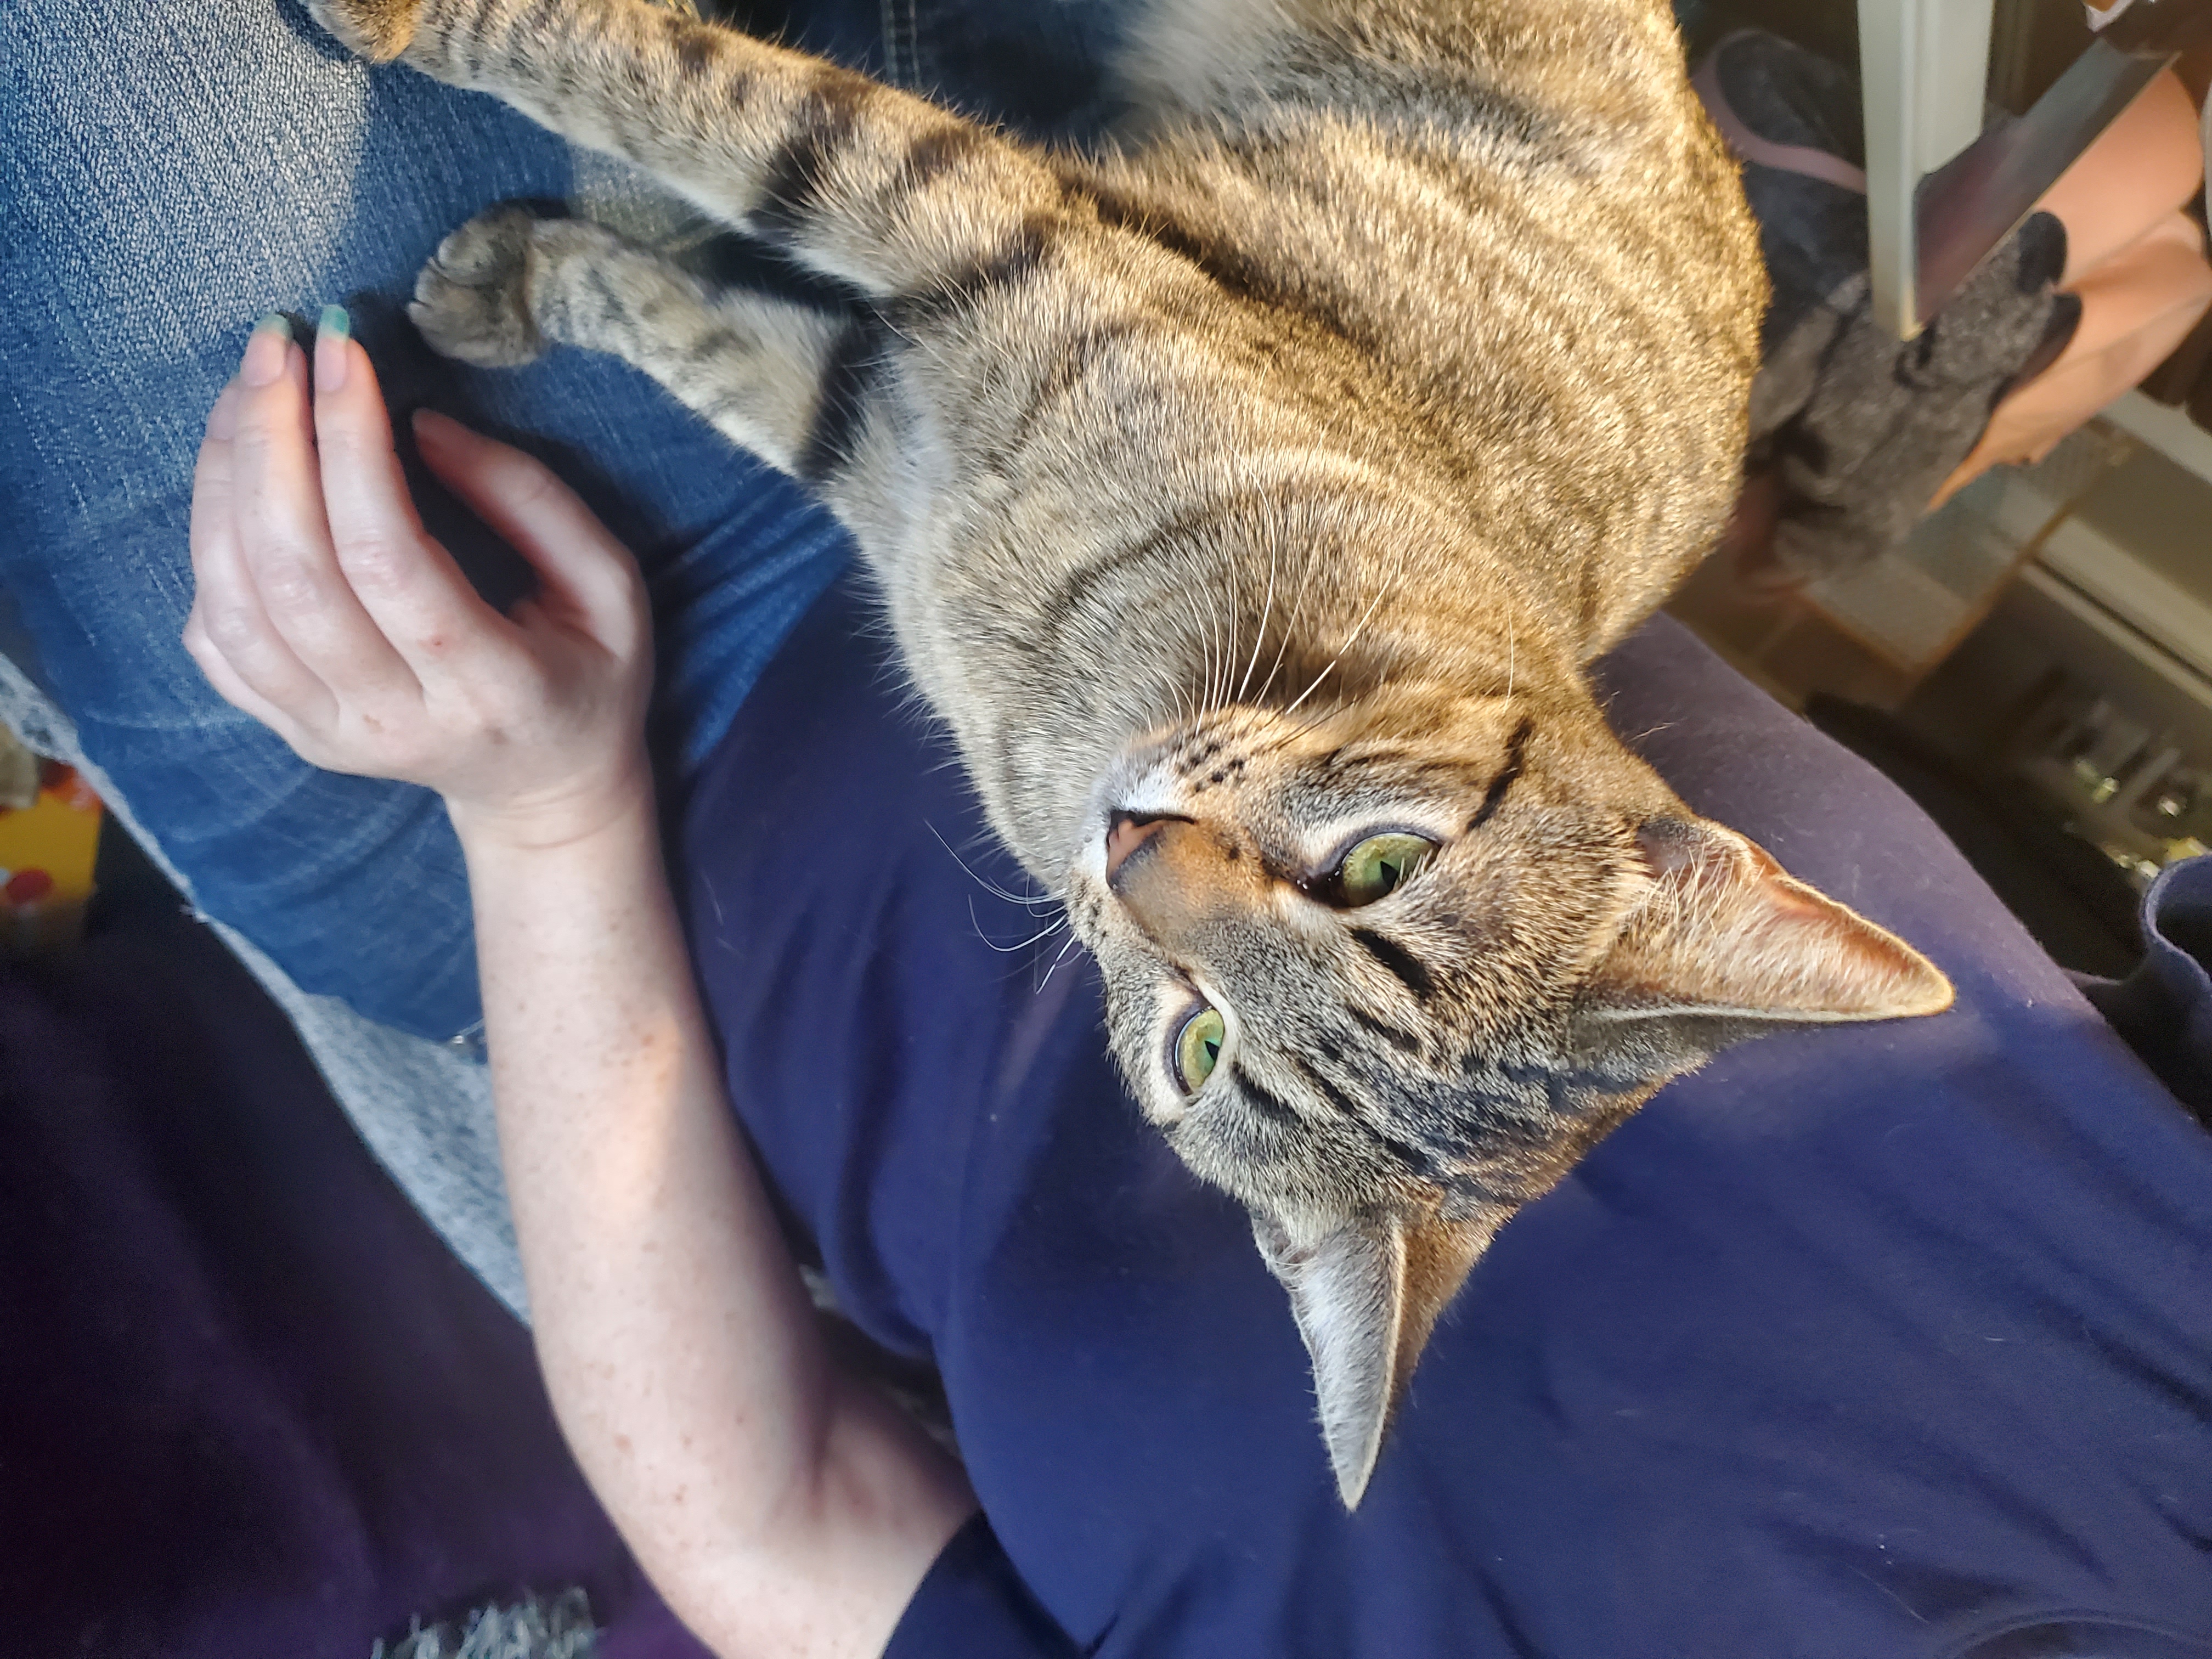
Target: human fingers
586	573
231	687
227	621
285	536
408	585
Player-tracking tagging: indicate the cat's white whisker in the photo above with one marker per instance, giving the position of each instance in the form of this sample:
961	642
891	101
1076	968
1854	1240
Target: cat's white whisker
1229	654
1296	732
1311	689
1282	650
1217	631
1045	932
1202	634
1266	611
1029	901
1299	732
1053	967
1358	629
1217	670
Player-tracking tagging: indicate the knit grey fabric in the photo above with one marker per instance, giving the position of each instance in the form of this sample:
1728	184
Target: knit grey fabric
559	1629
1861	428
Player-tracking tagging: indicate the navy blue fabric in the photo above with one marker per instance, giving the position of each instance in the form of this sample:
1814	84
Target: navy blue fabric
2165	1007
1891	1339
974	1604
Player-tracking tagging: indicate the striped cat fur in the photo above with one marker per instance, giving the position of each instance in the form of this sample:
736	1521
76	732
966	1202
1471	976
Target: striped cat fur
1255	485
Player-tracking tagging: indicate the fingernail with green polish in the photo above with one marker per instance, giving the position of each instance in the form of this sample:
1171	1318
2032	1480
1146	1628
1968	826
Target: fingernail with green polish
264	350
332	329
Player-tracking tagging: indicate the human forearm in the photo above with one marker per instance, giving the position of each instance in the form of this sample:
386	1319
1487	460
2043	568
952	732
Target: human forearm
783	1509
681	1353
659	1298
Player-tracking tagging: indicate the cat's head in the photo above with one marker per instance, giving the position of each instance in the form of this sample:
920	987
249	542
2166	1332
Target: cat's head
1385	973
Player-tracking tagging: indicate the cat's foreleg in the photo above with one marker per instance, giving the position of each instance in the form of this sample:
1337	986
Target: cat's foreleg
784	380
875	187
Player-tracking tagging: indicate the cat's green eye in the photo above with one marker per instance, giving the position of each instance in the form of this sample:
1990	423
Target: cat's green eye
1382	864
1198	1048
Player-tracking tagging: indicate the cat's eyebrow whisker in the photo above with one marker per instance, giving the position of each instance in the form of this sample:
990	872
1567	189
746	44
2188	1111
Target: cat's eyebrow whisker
1290	633
1028	901
1204	691
1183	708
1229	653
1358	628
1276	667
1266	611
1322	719
1224	643
1214	672
1215	650
1308	692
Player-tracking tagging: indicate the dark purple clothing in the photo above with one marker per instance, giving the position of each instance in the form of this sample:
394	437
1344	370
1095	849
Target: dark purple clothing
251	1407
1892	1340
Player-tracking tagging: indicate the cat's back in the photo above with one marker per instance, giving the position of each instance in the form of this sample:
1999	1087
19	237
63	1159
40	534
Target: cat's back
1517	210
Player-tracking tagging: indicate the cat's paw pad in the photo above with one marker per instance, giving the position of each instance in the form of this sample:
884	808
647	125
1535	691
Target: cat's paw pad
470	301
378	30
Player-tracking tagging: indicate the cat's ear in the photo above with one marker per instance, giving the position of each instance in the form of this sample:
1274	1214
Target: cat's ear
1728	943
1365	1294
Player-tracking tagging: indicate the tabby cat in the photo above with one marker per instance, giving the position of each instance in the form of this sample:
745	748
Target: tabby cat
1249	497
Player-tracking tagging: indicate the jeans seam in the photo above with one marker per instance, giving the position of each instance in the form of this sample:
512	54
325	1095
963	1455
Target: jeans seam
902	62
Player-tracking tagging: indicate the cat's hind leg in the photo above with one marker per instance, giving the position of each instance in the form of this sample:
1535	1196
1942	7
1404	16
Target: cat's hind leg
783	379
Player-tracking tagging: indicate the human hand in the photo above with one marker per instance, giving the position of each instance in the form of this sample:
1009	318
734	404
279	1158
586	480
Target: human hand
325	610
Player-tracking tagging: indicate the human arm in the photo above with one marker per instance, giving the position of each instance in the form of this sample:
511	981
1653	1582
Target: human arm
782	1507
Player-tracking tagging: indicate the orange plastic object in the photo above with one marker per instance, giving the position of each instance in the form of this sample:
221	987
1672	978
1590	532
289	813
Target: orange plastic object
45	863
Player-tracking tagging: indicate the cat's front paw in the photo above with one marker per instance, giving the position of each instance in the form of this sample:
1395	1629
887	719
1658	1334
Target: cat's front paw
380	30
472	300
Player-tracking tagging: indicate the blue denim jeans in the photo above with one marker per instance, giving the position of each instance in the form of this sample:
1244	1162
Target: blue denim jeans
171	169
168	172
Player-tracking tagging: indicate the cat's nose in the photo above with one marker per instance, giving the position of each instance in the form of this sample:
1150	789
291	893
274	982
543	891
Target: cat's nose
1174	875
1126	833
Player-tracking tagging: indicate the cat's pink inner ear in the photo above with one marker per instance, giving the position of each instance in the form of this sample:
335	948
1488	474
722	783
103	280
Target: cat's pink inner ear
1726	931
